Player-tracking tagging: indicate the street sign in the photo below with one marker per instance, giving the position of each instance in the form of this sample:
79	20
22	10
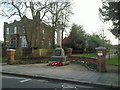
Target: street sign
100	53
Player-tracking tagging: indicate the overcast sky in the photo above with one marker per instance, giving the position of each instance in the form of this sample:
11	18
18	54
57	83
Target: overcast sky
86	14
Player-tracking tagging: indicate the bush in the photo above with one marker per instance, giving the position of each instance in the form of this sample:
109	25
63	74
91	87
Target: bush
90	66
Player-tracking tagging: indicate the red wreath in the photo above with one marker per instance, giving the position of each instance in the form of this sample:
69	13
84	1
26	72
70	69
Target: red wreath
55	64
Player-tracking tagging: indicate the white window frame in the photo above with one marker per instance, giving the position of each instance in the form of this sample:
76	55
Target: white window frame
7	30
23	41
23	29
15	30
43	31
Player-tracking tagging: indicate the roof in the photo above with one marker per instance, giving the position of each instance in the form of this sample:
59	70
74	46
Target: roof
100	48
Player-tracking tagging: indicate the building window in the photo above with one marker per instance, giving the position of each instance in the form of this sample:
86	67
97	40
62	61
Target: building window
42	43
49	44
15	30
23	29
23	41
7	30
7	43
43	31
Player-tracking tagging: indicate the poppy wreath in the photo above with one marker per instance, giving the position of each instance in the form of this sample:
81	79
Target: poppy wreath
55	64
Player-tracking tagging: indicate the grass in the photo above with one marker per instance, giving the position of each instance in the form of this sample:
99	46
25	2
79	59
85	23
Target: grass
3	59
91	54
111	52
85	55
113	61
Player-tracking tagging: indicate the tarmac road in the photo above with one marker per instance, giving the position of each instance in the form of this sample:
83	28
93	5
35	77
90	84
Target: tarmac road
10	82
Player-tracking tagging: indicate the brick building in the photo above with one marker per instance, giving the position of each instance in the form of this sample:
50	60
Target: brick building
38	33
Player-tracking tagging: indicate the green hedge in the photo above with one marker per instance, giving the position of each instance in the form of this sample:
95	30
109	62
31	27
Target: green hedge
88	65
85	55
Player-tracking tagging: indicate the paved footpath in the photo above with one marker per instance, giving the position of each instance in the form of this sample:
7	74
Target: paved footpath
64	73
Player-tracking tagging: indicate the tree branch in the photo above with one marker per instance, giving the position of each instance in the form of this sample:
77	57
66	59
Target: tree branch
17	9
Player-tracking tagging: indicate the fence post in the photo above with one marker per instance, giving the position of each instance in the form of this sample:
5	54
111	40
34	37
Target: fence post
10	56
69	52
101	56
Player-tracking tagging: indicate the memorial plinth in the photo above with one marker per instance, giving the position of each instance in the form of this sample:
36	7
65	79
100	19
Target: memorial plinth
58	55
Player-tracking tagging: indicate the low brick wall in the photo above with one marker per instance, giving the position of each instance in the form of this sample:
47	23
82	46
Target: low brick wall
31	52
42	52
36	58
26	51
86	59
91	60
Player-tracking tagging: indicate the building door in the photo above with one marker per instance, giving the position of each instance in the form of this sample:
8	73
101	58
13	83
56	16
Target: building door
14	41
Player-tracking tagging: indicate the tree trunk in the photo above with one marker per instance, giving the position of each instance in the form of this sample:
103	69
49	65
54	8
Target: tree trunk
53	37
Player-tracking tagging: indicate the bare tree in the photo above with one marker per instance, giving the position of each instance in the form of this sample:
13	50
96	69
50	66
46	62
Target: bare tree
60	11
50	12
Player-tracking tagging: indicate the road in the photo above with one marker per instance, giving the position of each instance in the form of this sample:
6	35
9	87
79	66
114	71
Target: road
9	82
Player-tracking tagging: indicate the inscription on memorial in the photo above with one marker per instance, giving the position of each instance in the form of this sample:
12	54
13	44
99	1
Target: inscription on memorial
57	52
